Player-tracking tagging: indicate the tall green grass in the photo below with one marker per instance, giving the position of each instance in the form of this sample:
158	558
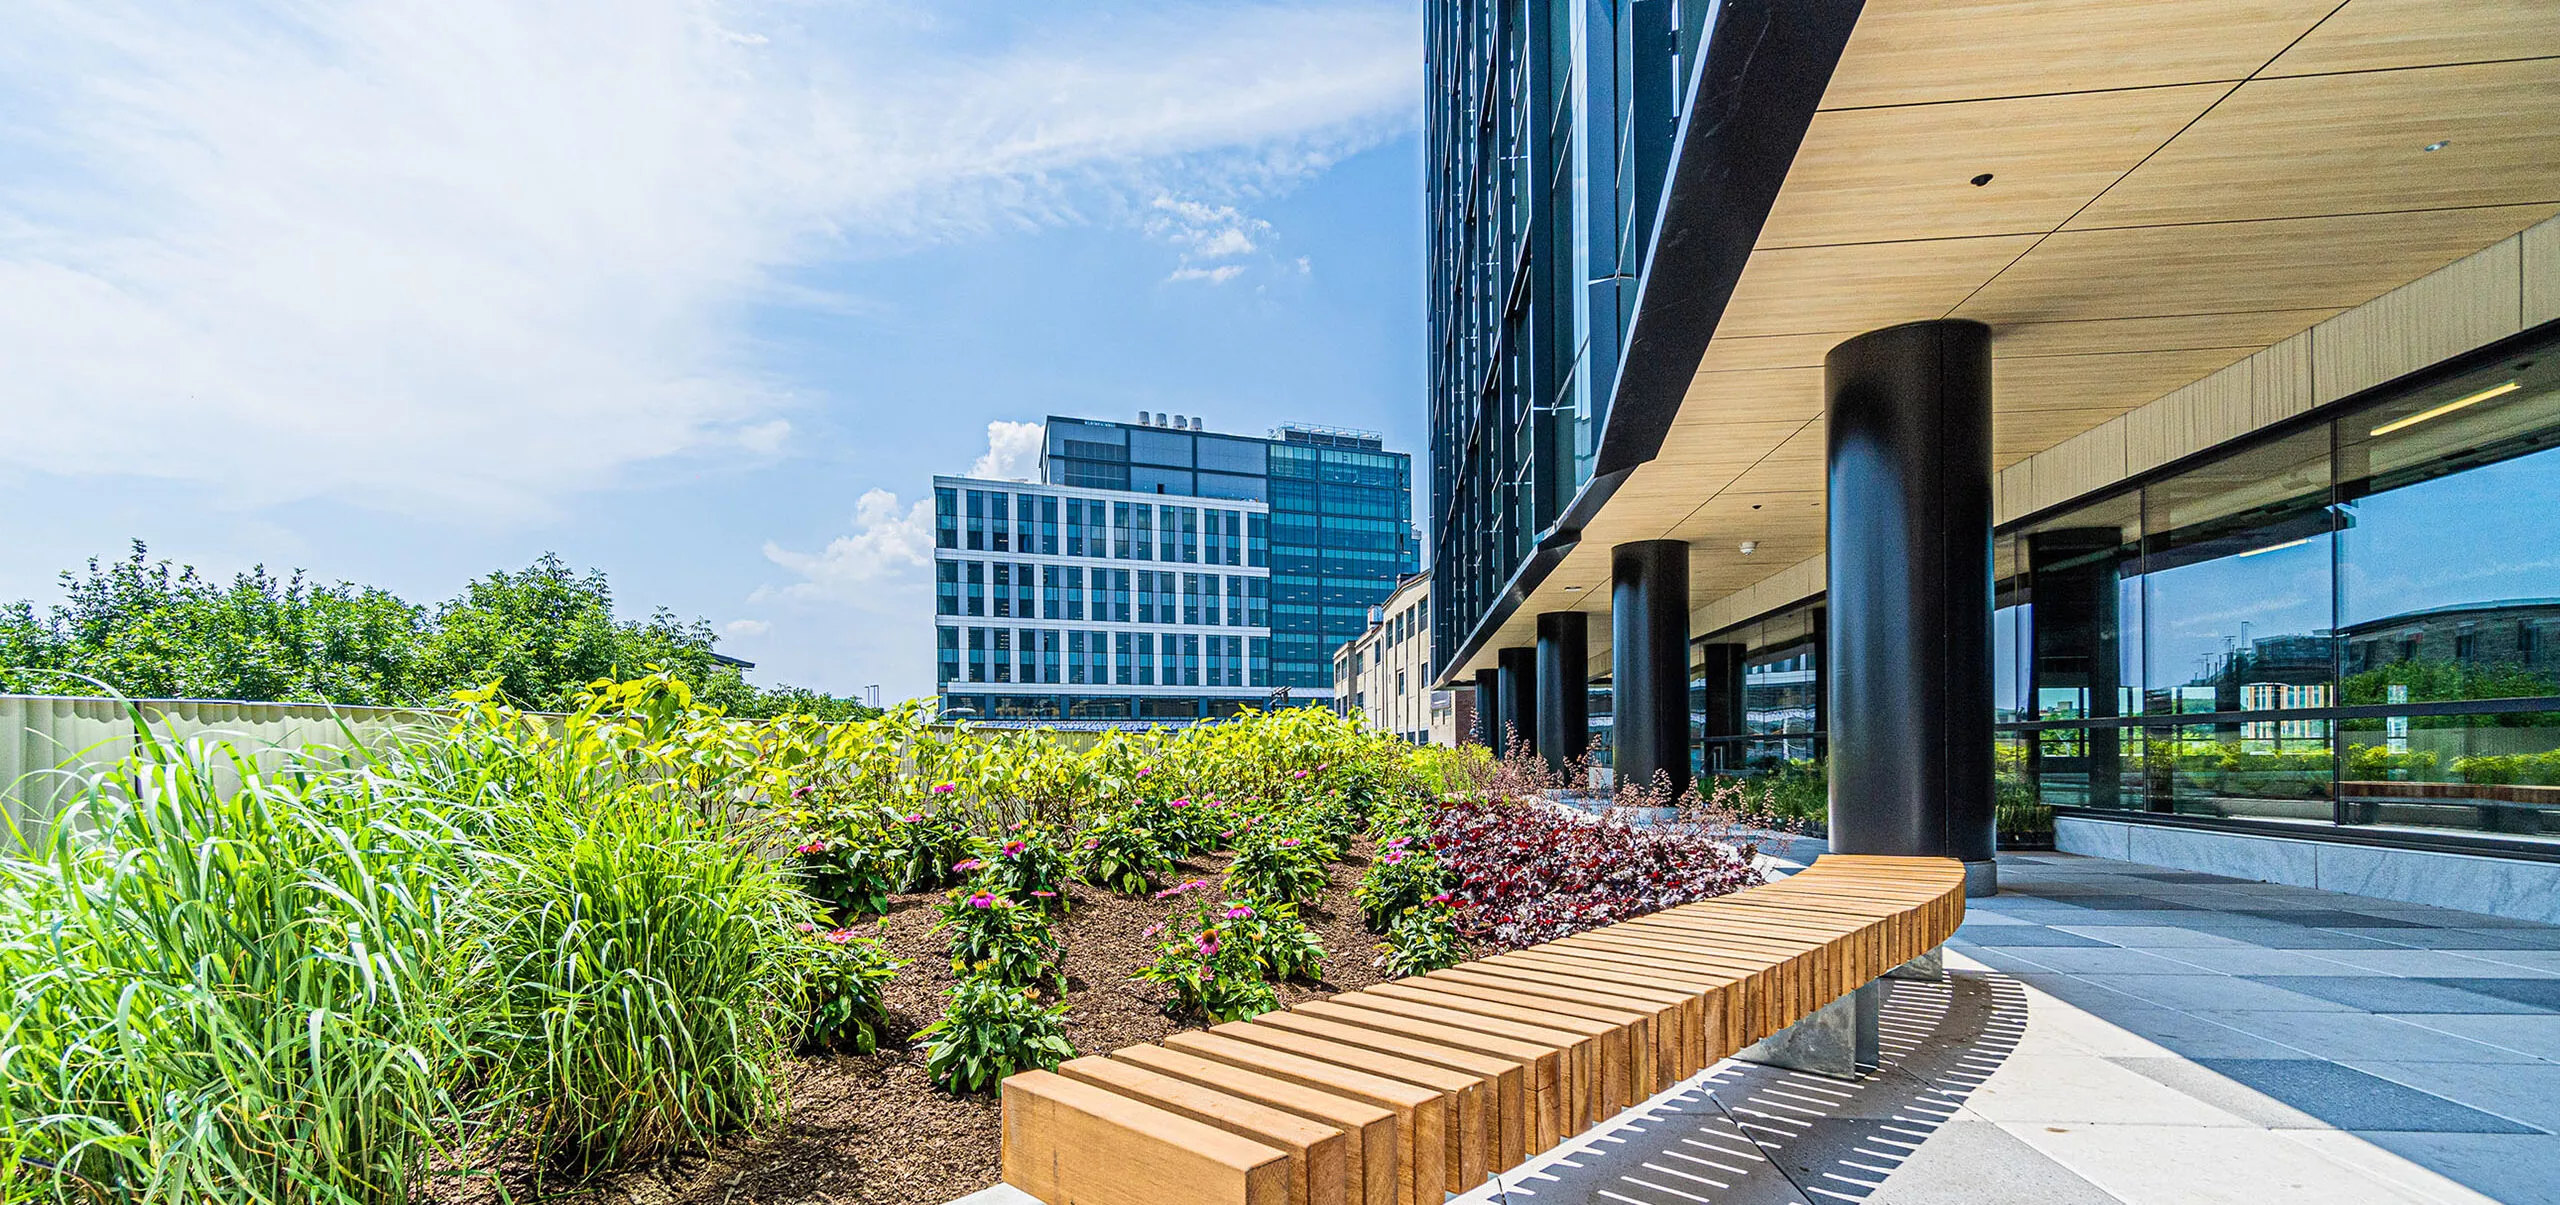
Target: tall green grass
225	982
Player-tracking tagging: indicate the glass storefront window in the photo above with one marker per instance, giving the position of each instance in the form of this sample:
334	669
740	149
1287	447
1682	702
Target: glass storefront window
2449	541
2236	573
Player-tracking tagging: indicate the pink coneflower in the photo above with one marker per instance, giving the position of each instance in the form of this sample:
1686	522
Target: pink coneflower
945	788
840	936
1143	771
1288	842
1444	898
806	927
1297	774
1046	895
918	818
1398	842
1093	843
1394	857
1181	803
1208	944
1152	932
982	900
964	867
1013	849
1239	912
814	847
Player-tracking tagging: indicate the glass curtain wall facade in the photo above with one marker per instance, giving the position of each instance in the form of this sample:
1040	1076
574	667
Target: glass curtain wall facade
2355	622
2349	623
1336	538
1550	130
1054	603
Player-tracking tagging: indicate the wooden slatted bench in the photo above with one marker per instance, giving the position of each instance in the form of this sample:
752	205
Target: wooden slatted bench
1395	1094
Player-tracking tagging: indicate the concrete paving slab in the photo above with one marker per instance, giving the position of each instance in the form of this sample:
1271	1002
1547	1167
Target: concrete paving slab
2221	993
2519	1092
2360	1035
2347	1099
2535	1036
2380	994
2508	1168
1979	1163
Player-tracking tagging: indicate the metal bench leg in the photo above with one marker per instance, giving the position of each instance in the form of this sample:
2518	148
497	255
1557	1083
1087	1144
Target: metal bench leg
1927	968
1825	1042
1870	1023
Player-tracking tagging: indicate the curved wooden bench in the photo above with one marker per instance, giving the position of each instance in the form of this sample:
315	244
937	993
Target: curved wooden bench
1403	1091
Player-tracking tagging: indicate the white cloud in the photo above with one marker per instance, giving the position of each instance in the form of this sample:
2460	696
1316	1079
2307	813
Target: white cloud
888	543
479	255
745	628
1013	452
1217	276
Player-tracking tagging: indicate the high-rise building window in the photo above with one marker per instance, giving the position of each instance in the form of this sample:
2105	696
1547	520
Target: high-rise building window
1235	537
1028	654
946	660
1258	663
1146	596
1097	653
1190	536
1000	653
1172	543
1257	602
1049	650
1075	658
946	517
1075	591
946	587
1235	601
977	587
977	521
1075	527
1022	597
1119	596
1053	593
1257	540
1123	644
1048	526
1210	521
1120	529
1146	659
1191	598
1165	586
999	522
977	654
1190	659
1142	532
1004	588
1094	543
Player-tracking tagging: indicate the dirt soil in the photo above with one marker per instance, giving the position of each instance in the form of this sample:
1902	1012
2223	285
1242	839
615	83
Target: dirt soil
872	1130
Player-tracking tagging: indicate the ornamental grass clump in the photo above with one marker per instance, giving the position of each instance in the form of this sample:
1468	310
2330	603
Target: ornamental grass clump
225	981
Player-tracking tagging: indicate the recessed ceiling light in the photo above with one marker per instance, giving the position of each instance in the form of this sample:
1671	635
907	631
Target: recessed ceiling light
2438	144
2447	408
1984	178
1571	589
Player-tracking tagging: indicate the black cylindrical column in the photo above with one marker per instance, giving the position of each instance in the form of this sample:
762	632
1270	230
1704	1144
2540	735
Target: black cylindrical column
1649	663
1909	415
1720	705
2073	576
1564	689
1519	701
1489	710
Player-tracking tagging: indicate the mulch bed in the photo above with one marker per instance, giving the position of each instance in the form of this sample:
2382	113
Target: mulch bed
873	1130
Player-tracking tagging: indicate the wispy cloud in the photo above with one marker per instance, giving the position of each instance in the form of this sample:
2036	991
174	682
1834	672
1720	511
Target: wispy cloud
481	254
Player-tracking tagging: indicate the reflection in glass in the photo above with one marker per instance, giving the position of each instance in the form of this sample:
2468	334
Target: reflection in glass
2494	773
2276	771
2237	582
2449	573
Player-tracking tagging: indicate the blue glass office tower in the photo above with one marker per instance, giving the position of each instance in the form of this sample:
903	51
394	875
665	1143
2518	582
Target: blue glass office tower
1340	527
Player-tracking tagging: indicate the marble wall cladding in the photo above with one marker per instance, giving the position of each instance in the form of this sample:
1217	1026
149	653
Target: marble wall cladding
2497	886
2494	886
2093	838
2265	859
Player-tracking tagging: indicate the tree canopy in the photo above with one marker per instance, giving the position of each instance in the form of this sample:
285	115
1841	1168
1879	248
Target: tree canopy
150	629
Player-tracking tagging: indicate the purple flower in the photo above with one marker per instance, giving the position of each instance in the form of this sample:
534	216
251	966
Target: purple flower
1181	803
1297	774
1239	912
1013	849
945	788
965	867
982	900
918	818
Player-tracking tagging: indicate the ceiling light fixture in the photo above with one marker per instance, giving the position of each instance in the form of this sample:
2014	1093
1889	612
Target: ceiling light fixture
1750	546
1984	178
1571	589
2445	409
2437	145
2277	547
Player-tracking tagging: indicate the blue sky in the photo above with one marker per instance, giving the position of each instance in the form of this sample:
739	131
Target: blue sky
696	293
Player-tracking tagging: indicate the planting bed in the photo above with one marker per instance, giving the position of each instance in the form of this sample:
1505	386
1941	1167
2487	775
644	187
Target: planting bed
873	1130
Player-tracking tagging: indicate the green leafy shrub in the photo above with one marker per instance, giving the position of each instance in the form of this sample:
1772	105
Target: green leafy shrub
1278	942
997	937
990	1031
1421	939
1400	877
842	982
1277	864
1119	853
2377	763
1207	957
2510	769
930	843
1028	863
852	876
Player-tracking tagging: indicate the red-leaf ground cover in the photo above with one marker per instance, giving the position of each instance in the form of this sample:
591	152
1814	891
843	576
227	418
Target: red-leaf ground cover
1528	871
